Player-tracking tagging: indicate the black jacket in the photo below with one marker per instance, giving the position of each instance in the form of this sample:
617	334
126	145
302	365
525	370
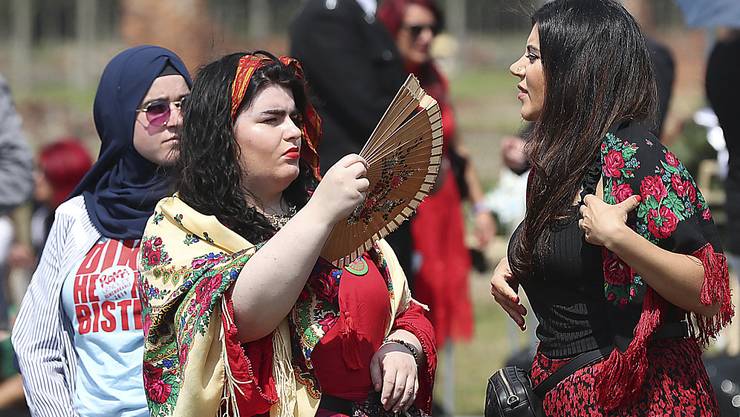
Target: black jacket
353	70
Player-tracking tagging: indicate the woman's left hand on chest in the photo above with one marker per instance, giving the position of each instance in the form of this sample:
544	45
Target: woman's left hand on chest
601	222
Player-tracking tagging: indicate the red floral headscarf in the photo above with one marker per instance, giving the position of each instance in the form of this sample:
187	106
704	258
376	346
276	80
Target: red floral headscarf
311	129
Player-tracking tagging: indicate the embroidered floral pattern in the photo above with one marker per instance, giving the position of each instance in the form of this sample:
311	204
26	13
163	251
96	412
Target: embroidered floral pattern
158	217
180	296
201	288
619	163
190	239
676	385
394	172
669	196
153	253
317	308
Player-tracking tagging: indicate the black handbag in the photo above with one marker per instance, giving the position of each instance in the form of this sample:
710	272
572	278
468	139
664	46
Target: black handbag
510	394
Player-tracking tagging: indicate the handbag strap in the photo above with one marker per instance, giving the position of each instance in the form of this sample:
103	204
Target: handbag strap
581	361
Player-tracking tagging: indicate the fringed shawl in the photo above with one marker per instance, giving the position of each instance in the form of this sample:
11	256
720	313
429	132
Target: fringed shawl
189	263
673	215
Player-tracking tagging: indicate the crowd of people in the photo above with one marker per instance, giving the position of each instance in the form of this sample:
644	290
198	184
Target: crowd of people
180	274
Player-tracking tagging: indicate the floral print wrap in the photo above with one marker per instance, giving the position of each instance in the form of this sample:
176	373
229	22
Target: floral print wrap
673	215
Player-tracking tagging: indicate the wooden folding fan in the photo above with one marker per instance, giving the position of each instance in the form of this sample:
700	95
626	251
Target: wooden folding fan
403	155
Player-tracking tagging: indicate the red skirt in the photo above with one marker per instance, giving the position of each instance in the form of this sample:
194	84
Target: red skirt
676	384
438	233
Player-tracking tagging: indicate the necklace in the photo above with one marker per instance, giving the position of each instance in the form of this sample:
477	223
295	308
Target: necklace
279	220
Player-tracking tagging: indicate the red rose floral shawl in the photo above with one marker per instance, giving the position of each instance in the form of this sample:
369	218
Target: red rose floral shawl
673	215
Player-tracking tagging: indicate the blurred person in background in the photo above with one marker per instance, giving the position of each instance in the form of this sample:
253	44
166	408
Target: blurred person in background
442	260
78	335
60	167
16	183
354	69
723	90
618	253
16	159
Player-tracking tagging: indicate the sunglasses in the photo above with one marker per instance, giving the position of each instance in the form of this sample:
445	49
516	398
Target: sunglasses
415	30
158	111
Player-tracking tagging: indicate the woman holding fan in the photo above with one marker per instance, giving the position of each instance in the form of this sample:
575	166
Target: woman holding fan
235	291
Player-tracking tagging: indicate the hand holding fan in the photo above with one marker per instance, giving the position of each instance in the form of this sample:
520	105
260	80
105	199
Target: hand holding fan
403	155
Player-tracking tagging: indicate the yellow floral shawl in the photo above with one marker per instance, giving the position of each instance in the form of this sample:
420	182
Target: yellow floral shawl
187	262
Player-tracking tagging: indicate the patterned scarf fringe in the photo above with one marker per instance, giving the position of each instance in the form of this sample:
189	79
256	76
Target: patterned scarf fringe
715	289
282	371
623	373
229	406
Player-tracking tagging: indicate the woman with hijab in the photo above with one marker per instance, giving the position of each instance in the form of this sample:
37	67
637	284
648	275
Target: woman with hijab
78	335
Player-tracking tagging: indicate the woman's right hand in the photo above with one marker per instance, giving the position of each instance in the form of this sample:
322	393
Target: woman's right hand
504	289
342	189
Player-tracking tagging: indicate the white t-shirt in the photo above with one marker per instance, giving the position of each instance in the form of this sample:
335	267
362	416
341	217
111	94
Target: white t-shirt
101	299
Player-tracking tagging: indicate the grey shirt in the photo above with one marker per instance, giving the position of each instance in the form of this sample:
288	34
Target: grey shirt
16	160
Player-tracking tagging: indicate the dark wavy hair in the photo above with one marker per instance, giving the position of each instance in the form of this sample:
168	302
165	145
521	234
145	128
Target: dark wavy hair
597	73
208	173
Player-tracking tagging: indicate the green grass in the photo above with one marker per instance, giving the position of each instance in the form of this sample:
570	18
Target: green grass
485	100
476	360
54	93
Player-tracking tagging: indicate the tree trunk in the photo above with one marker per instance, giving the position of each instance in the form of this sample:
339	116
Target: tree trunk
259	19
21	54
183	26
86	17
456	18
640	9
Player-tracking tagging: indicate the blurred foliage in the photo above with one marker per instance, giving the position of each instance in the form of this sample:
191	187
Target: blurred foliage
55	19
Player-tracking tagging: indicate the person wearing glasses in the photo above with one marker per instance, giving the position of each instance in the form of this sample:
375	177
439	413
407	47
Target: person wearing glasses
78	335
438	229
618	253
242	315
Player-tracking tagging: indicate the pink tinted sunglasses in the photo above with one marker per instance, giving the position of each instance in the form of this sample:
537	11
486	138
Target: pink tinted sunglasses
158	111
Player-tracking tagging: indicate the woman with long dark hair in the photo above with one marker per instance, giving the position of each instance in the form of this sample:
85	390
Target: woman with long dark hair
78	335
618	253
242	314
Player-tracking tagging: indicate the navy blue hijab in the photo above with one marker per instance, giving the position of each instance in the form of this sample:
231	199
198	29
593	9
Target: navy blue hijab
122	188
